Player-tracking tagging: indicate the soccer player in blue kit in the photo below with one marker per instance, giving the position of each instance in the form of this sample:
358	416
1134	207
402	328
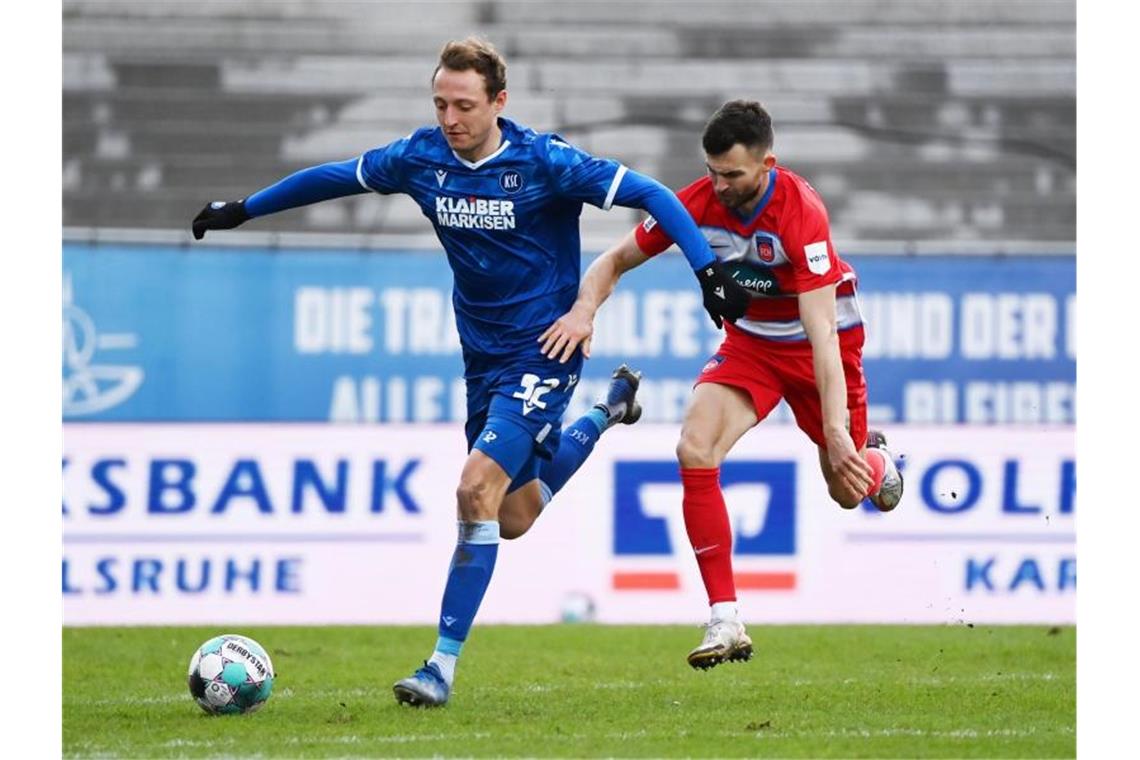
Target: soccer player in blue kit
505	204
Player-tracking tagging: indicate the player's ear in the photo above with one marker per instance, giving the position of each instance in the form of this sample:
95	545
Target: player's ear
499	102
769	160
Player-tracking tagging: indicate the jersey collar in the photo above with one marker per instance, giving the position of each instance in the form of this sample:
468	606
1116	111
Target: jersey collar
763	199
476	164
506	126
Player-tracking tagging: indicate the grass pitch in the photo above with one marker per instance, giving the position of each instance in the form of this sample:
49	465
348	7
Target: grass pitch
586	691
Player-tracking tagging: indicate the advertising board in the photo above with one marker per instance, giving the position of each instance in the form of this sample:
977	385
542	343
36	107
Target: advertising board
157	334
318	523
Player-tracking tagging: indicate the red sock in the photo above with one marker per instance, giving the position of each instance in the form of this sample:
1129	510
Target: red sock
874	457
706	521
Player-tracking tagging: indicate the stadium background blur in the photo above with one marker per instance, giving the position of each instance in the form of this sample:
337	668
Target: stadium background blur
263	429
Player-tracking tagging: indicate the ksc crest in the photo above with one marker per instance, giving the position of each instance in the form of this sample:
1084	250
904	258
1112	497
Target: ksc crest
511	181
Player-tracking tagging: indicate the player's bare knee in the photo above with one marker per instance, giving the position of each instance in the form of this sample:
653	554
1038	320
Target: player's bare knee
693	452
843	496
474	498
839	491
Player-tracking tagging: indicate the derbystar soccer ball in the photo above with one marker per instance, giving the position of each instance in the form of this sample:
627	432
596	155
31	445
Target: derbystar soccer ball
230	674
578	607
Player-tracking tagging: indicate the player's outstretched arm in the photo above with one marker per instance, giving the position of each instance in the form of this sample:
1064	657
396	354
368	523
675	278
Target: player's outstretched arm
312	185
723	297
576	327
817	311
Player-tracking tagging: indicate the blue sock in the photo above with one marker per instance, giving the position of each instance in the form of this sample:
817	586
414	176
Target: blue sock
467	580
577	442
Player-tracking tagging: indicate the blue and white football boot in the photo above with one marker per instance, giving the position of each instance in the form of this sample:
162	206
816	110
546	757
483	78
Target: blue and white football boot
621	398
891	490
424	688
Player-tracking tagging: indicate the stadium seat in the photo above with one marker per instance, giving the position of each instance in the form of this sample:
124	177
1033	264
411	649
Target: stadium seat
894	109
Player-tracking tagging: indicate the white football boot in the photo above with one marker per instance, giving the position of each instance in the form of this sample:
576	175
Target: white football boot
891	490
725	641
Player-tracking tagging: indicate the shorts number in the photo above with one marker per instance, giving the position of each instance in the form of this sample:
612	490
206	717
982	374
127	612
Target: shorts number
533	389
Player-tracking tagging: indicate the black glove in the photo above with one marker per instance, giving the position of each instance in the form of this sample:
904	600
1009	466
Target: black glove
724	297
219	215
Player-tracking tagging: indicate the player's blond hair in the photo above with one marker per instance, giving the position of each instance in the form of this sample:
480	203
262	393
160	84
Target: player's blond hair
478	54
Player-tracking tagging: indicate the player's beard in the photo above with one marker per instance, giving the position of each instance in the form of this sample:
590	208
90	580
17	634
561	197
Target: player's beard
734	200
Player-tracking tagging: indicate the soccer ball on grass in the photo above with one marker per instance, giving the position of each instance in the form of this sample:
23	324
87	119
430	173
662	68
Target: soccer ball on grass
230	674
578	607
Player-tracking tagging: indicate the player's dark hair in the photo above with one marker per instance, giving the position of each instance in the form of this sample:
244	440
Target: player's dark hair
478	54
738	121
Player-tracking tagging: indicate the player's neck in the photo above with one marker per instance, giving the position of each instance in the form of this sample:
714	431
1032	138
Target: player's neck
748	209
485	148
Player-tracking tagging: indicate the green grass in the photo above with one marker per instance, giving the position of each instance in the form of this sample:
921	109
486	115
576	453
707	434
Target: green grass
818	691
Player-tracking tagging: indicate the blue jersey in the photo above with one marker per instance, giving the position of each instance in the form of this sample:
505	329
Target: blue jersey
508	223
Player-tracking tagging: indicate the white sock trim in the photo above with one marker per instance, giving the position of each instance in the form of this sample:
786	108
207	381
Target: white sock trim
724	611
446	664
545	493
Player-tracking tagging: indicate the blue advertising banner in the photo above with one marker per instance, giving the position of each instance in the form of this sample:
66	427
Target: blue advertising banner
213	334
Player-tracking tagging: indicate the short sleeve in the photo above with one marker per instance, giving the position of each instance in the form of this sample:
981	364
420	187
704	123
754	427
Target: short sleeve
807	242
651	239
382	169
578	175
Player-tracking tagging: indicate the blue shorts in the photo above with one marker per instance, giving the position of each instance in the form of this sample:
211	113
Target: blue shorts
515	407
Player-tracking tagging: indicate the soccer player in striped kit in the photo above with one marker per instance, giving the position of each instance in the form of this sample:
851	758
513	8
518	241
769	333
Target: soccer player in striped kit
801	339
